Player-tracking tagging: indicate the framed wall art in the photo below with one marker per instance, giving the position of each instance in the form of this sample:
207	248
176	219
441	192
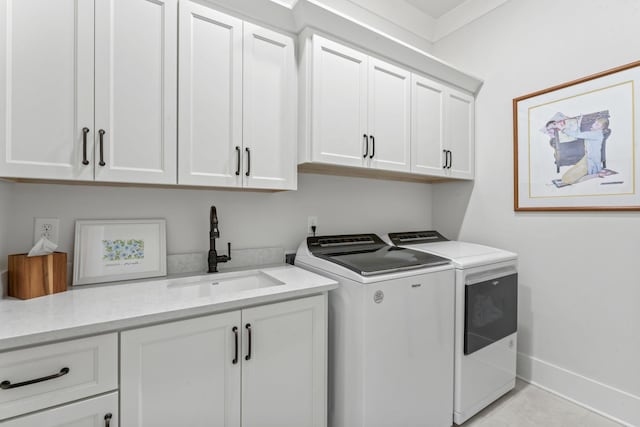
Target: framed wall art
575	144
113	250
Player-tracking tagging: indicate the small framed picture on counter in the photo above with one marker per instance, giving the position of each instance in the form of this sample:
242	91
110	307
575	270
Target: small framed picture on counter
575	144
122	249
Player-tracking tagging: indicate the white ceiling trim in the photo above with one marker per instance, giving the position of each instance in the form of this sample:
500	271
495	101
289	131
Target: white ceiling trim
463	15
435	8
415	22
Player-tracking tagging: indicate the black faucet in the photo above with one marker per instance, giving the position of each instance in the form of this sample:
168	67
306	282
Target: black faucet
214	233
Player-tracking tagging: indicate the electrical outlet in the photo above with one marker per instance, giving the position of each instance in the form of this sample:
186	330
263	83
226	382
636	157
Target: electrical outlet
46	227
311	222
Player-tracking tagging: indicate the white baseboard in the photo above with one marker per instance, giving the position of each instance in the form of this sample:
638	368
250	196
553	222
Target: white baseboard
618	405
4	283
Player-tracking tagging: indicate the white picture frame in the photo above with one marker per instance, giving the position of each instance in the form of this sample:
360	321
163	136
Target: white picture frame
119	249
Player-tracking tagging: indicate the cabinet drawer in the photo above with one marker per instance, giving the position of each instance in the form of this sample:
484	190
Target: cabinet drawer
47	375
96	412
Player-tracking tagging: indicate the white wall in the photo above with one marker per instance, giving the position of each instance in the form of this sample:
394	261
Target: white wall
5	203
247	219
579	328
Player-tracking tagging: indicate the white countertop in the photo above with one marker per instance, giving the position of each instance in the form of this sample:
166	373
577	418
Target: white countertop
88	310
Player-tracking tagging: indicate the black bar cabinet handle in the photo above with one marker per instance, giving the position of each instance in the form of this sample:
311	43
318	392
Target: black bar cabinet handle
446	158
248	356
373	147
238	163
450	158
101	132
248	161
235	333
107	419
85	131
6	385
366	145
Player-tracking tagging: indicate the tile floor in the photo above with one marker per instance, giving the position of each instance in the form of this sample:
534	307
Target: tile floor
530	406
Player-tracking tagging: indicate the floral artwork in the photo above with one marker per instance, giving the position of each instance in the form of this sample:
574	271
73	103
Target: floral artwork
118	250
121	250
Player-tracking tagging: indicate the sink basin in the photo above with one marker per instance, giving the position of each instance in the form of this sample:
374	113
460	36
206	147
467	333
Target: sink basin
226	283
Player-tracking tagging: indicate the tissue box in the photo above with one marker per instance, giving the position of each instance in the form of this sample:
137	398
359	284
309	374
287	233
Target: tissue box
31	277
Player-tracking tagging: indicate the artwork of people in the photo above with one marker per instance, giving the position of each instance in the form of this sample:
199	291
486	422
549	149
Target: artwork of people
579	142
575	144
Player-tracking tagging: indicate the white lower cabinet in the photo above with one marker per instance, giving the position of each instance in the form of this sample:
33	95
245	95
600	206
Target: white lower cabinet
262	366
99	411
40	377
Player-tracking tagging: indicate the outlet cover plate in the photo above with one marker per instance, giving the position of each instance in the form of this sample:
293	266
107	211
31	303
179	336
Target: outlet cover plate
46	226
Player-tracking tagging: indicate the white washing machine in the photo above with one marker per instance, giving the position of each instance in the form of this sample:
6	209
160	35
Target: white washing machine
390	332
486	316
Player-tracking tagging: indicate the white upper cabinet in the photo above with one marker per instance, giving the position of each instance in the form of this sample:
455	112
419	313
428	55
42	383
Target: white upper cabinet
46	88
442	134
237	102
389	116
427	130
339	104
269	109
210	97
459	134
360	109
54	56
136	78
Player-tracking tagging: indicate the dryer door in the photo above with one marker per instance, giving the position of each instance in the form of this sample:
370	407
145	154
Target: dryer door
491	311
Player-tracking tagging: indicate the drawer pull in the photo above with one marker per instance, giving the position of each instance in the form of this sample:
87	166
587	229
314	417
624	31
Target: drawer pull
6	385
248	356
238	164
101	132
248	161
85	131
235	334
366	145
107	419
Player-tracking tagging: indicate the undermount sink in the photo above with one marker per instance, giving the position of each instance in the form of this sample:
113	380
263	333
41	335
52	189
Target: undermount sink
225	283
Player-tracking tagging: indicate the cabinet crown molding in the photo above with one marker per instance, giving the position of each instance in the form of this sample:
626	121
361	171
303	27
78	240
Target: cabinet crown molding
296	16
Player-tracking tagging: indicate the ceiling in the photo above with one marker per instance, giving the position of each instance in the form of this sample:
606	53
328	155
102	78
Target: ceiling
436	8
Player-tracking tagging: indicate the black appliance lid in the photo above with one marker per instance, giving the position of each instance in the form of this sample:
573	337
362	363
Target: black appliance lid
368	255
416	237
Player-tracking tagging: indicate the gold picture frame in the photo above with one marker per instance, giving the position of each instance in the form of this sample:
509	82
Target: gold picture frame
575	144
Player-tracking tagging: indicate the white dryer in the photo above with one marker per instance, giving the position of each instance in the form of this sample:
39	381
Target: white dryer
486	316
390	332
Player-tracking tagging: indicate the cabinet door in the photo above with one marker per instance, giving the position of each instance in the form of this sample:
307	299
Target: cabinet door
99	411
136	90
269	109
427	126
389	116
46	88
339	106
284	379
181	373
459	134
210	97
